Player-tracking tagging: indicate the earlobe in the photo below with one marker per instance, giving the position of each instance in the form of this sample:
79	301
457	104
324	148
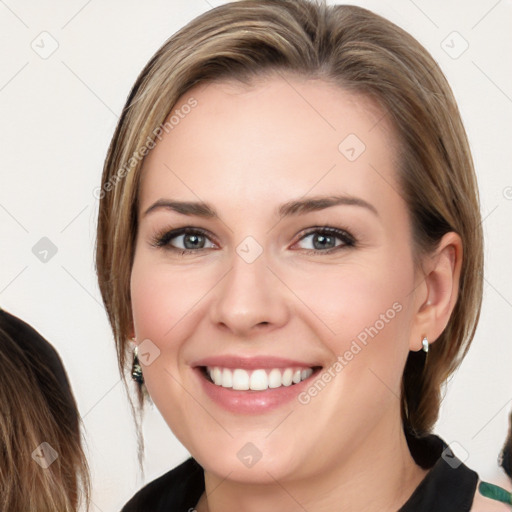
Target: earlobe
131	329
439	291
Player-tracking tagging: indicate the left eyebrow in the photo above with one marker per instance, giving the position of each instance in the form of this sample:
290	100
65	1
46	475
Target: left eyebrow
315	203
295	207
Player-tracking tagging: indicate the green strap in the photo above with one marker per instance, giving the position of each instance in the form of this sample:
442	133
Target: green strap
495	492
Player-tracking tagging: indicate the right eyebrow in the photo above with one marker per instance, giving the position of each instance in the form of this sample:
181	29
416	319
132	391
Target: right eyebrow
197	208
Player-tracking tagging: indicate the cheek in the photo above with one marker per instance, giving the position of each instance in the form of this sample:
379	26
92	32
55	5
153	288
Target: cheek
364	311
351	299
148	303
155	311
161	297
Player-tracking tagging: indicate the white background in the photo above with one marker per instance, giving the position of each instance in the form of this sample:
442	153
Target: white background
57	117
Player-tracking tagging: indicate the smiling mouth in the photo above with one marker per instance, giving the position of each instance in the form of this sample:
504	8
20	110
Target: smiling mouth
260	379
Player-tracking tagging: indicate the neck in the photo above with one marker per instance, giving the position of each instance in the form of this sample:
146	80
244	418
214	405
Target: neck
379	475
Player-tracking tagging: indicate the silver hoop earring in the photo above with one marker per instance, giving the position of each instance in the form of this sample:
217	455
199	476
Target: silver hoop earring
425	344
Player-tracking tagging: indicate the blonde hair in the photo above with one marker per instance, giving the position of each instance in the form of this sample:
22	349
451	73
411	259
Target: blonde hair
361	52
37	406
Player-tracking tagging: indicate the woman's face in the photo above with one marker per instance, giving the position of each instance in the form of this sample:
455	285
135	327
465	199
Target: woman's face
279	277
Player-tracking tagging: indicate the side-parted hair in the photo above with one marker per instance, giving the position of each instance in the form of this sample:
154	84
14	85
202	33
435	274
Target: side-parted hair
362	53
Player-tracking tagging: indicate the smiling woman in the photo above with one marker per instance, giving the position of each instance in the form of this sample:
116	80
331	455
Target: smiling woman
322	180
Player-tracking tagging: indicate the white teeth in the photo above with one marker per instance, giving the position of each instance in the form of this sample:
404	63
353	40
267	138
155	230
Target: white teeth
257	380
240	379
227	378
217	376
304	374
274	378
287	377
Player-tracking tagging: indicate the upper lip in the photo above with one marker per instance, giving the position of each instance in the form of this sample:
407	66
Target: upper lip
252	363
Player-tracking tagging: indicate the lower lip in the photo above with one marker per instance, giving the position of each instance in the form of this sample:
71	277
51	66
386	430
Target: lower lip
252	402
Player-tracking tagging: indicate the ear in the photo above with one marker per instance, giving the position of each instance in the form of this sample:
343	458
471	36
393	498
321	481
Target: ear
131	331
437	292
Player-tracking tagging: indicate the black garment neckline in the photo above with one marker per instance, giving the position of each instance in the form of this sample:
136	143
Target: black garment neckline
449	485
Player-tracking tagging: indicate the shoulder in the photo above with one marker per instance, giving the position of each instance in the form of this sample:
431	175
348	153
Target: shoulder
448	486
483	504
178	489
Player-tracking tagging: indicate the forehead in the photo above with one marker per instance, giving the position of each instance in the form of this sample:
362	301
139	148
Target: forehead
275	137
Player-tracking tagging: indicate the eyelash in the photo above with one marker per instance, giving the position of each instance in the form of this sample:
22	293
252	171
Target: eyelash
163	239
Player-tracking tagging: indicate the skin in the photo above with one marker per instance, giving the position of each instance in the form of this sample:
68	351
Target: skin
484	504
246	149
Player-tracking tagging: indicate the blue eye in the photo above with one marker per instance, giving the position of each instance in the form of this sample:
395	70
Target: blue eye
324	239
193	240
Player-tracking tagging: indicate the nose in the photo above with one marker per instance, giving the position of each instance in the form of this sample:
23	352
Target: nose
250	298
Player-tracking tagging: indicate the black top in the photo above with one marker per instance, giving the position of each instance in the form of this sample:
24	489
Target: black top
449	486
